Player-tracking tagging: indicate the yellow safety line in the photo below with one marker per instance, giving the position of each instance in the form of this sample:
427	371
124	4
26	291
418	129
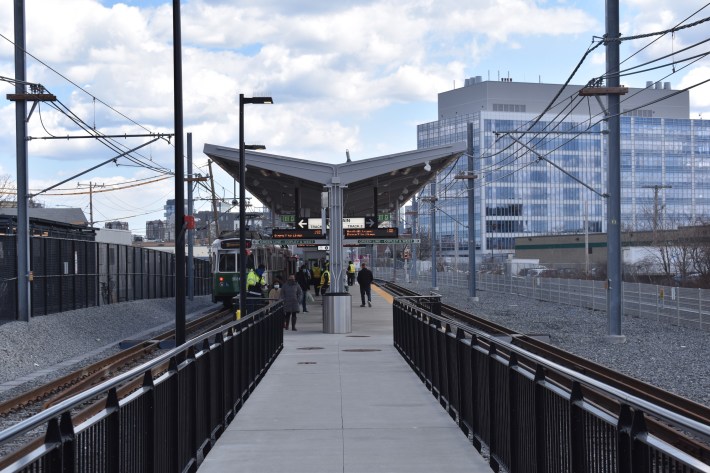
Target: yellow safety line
382	293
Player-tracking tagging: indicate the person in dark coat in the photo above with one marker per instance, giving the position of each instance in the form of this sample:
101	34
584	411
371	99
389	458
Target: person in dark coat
364	279
304	280
291	294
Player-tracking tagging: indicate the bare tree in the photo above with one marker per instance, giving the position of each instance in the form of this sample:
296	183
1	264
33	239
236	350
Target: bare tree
8	191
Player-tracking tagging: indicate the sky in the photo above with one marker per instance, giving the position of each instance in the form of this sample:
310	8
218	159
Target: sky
354	74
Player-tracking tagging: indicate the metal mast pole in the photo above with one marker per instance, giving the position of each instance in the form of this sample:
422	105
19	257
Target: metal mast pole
190	233
432	215
242	217
614	299
23	220
179	182
471	219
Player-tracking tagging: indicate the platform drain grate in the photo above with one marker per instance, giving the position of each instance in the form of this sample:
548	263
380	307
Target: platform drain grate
361	350
310	348
359	336
306	362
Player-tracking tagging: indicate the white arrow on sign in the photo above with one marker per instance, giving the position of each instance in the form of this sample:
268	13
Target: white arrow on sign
369	223
302	224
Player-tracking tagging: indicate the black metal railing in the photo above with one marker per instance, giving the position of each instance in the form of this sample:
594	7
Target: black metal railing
505	400
173	419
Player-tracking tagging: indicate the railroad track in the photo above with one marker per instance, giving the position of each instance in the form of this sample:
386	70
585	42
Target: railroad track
628	384
47	395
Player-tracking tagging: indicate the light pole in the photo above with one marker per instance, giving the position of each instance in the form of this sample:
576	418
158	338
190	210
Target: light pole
242	199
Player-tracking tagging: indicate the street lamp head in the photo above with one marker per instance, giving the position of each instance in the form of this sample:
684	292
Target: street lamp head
254	147
264	100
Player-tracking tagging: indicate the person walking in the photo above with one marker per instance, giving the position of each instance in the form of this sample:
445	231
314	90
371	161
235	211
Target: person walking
351	273
315	278
291	294
364	279
303	280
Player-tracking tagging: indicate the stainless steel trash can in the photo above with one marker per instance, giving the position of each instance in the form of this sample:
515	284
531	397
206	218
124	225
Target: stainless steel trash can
337	312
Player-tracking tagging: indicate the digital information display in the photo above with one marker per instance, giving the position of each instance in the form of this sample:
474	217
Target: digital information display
371	233
233	244
289	234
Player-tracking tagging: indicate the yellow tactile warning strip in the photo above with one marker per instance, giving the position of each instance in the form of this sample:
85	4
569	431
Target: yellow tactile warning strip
383	294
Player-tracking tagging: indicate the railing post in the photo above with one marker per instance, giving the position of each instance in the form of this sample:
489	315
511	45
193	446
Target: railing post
493	417
639	449
623	428
150	443
513	425
577	428
539	419
113	437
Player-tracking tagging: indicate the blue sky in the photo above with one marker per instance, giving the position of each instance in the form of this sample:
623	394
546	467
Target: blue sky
353	74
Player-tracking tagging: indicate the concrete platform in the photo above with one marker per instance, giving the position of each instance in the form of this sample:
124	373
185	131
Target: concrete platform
343	403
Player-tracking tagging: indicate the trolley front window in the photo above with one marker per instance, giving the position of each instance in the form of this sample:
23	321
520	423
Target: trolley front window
227	262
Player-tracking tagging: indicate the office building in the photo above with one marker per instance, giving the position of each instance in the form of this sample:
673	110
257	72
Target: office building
542	169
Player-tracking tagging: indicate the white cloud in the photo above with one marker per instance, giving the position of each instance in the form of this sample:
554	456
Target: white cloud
335	69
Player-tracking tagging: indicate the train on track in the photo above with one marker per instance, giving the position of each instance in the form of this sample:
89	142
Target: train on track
280	262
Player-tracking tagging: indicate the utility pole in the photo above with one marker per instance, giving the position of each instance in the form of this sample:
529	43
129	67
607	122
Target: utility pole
214	206
655	203
91	199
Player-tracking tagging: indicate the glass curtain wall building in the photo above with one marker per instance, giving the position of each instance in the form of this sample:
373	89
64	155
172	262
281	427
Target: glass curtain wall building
546	173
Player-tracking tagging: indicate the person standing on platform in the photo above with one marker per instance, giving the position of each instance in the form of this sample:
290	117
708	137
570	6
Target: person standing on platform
303	280
351	273
291	294
255	288
275	292
325	280
364	279
315	278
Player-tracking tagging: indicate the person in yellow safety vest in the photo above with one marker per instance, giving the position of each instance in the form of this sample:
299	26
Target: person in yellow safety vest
256	282
325	280
315	278
255	287
351	273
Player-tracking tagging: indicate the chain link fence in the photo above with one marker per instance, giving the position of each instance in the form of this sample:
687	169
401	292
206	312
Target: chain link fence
677	305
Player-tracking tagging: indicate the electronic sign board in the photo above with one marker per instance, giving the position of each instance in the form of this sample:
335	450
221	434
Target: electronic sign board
370	233
289	234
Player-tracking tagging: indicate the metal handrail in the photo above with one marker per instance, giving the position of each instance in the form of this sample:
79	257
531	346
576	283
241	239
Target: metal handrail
46	415
664	414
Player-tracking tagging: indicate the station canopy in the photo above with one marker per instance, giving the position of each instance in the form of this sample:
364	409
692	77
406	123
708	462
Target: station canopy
277	181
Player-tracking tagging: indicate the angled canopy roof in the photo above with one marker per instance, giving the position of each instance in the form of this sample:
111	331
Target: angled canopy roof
273	179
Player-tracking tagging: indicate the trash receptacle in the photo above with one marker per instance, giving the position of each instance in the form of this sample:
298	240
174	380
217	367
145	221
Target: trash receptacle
337	312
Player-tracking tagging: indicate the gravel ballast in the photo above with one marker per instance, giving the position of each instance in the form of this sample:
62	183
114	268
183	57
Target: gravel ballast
48	346
672	357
